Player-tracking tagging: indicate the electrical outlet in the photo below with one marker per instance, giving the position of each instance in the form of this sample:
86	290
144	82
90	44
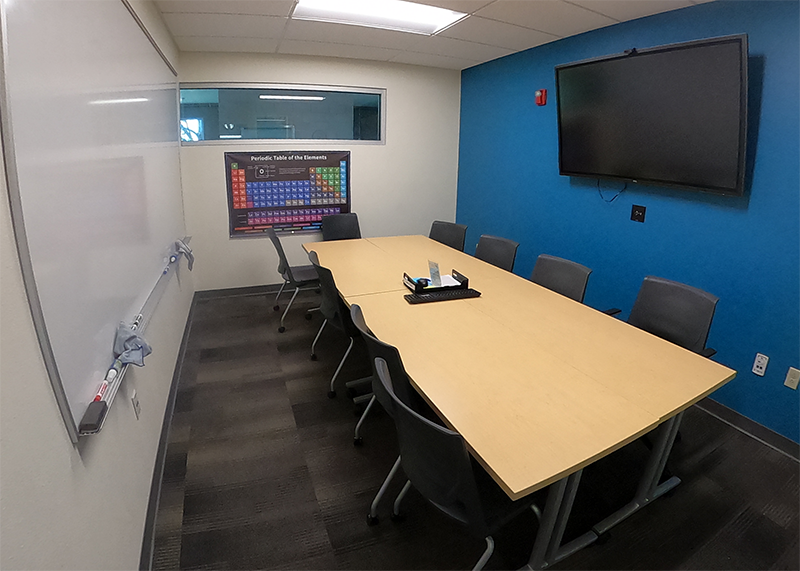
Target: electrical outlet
637	213
760	364
137	407
792	378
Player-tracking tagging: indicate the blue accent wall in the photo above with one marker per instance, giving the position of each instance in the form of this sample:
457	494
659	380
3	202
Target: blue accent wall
746	250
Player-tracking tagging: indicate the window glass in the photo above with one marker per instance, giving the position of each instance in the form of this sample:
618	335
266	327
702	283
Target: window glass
213	114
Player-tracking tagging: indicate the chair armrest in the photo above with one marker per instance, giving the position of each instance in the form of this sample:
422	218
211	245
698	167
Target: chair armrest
612	311
708	352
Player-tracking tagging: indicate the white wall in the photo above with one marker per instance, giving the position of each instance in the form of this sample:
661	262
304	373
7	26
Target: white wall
66	507
397	188
63	507
150	16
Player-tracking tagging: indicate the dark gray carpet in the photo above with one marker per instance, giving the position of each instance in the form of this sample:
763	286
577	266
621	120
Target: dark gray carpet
261	473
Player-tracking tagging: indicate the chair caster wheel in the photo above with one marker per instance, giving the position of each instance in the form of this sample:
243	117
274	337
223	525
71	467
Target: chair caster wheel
313	356
372	520
358	441
281	329
398	518
331	394
276	308
308	317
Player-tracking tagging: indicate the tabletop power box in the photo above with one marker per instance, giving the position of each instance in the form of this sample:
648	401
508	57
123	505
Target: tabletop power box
454	286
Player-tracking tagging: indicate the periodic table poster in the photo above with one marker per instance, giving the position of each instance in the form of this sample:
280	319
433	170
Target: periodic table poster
289	191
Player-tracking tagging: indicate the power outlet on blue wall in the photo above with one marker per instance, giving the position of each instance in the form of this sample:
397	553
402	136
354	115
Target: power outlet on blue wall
637	213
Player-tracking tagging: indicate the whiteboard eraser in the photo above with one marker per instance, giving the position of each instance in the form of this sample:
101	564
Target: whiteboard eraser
93	417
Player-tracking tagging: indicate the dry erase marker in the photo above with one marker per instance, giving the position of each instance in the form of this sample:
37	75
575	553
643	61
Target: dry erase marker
114	370
101	391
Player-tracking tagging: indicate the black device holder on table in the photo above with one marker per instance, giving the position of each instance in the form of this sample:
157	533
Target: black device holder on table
418	288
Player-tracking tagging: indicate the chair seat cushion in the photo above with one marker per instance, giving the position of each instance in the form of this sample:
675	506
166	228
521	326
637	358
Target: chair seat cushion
305	273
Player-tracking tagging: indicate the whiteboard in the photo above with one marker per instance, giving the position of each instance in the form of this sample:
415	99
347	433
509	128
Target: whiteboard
90	131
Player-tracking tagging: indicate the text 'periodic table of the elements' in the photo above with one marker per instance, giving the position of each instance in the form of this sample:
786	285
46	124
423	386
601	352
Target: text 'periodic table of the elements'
289	191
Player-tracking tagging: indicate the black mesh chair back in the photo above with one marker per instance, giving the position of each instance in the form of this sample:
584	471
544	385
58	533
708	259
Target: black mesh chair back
332	307
497	251
674	311
449	234
378	349
561	276
438	464
283	265
340	227
435	460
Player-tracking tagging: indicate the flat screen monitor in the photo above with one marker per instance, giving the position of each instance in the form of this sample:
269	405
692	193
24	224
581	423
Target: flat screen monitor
673	115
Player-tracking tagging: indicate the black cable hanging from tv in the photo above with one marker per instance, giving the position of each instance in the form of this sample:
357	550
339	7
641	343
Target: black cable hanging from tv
613	198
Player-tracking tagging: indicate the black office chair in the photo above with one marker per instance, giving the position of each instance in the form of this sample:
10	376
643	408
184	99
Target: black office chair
297	277
674	311
438	465
335	312
401	387
562	276
340	227
390	354
449	234
497	251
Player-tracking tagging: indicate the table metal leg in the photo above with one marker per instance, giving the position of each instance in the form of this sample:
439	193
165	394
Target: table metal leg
649	488
547	548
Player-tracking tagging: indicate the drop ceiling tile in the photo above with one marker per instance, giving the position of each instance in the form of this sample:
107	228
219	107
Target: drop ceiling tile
348	34
623	10
465	6
325	49
221	44
224	25
552	16
450	47
430	60
496	33
257	7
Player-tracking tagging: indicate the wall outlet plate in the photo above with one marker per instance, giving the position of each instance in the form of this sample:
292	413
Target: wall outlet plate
792	378
760	364
637	213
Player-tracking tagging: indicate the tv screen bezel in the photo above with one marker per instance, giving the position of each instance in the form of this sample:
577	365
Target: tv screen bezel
739	189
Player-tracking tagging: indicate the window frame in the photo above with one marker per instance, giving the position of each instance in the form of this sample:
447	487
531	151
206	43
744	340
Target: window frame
294	87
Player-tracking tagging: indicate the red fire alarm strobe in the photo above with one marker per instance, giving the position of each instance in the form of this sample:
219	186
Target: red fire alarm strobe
541	96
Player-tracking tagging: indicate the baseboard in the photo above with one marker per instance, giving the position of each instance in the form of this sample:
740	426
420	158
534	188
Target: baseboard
750	427
148	536
237	291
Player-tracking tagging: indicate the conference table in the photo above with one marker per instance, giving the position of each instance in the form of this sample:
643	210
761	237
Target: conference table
538	385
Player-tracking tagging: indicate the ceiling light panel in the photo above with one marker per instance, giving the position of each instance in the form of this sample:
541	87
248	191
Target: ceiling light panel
386	14
293	97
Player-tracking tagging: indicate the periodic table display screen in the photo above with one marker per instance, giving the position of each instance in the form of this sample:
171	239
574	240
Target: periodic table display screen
289	191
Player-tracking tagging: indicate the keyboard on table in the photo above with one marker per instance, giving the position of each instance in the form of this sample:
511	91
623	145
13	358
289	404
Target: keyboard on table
443	295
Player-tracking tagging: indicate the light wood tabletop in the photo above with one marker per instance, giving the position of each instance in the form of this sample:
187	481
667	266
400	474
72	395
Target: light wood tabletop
359	266
538	385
